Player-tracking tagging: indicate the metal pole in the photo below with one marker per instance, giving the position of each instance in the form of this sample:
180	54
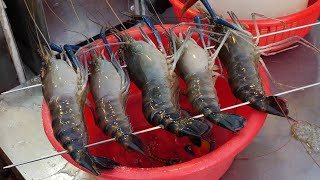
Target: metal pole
12	46
20	89
136	7
143	7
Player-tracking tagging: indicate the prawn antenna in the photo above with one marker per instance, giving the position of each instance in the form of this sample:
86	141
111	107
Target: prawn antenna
118	34
74	10
94	21
35	23
115	14
161	23
66	23
87	38
49	7
115	33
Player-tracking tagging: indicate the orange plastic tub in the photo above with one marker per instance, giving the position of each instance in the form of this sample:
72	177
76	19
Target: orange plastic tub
202	165
307	16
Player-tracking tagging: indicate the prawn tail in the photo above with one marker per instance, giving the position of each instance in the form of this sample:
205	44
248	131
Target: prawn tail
272	105
193	127
92	163
132	142
104	163
232	122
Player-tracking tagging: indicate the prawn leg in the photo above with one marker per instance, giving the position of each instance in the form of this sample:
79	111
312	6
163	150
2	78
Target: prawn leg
197	19
150	24
256	25
105	41
285	43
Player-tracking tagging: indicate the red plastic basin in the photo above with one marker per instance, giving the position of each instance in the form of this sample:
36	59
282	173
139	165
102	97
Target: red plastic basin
306	16
166	145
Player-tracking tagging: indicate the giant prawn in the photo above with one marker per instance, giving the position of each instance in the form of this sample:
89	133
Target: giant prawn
241	58
193	67
109	85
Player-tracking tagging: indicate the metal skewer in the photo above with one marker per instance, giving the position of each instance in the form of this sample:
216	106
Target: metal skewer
154	128
86	146
20	89
286	30
278	94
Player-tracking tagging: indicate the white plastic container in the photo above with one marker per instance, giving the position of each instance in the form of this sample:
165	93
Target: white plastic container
244	8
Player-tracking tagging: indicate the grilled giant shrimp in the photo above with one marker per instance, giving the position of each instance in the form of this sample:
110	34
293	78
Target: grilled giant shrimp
64	89
148	69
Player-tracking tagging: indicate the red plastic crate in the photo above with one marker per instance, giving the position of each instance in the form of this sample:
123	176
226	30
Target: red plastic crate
306	16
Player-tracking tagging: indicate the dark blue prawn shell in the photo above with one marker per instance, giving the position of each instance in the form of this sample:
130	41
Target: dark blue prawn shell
241	59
